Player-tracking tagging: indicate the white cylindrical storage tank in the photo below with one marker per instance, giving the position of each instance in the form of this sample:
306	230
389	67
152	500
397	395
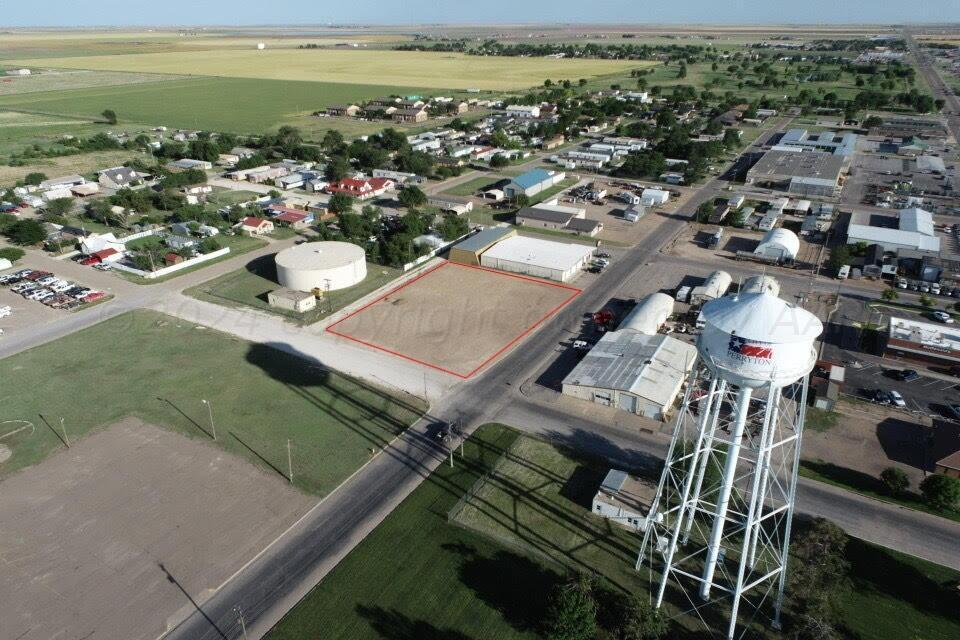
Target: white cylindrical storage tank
755	339
779	243
323	265
760	284
649	315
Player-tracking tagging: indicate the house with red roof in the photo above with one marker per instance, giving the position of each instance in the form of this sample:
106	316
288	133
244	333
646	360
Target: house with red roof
361	189
294	219
99	257
254	226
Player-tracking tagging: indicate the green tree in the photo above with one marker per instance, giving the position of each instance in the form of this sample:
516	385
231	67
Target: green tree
498	161
332	139
337	169
890	295
58	207
819	570
12	253
872	121
926	300
895	480
34	177
642	621
412	197
941	492
452	227
839	256
109	116
208	245
27	232
572	614
522	200
340	203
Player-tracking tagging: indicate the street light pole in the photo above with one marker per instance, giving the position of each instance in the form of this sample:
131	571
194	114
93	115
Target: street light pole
243	624
213	427
64	429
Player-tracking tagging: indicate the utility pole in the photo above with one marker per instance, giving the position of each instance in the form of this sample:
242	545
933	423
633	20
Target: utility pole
243	624
64	429
289	461
213	427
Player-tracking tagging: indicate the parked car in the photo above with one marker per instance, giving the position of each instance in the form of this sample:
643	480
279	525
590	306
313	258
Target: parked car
94	296
103	266
942	316
896	399
924	287
906	375
954	411
901	283
60	286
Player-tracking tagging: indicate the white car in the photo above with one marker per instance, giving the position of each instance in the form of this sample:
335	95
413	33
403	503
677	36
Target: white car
40	294
47	280
60	286
942	316
5	311
896	399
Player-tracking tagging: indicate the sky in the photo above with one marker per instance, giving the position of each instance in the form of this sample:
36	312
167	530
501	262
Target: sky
17	13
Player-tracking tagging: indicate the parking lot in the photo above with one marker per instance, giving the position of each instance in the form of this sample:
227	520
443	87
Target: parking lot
691	243
45	288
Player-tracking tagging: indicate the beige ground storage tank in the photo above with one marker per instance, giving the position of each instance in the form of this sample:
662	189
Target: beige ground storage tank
325	265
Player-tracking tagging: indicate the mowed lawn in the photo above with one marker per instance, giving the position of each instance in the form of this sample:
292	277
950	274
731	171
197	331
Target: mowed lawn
233	105
249	286
160	368
370	67
482	568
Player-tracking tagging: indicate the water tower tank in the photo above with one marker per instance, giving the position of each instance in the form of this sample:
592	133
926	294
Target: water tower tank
755	339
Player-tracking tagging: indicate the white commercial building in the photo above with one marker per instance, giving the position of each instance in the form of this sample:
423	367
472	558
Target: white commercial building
780	244
523	111
636	372
654	197
327	266
913	229
714	287
649	315
541	258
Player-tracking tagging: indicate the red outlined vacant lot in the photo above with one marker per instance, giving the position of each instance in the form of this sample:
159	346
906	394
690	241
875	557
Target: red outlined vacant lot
456	318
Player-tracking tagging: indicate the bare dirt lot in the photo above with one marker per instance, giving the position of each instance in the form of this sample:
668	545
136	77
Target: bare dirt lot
136	515
455	318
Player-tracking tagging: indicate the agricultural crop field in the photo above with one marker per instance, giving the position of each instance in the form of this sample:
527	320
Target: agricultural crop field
367	67
52	44
64	79
235	105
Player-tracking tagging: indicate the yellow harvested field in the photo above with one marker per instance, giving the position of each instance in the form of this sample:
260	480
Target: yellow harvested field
82	163
402	68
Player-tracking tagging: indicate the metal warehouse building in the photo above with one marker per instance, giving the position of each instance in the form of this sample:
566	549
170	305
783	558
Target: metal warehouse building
470	250
541	258
799	172
639	373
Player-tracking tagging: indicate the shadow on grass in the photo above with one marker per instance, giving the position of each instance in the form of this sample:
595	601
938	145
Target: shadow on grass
391	624
875	569
514	585
856	480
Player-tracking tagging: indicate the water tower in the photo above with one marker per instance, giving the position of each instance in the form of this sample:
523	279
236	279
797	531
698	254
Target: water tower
718	530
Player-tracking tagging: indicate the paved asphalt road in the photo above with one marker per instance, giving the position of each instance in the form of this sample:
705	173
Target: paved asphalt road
286	572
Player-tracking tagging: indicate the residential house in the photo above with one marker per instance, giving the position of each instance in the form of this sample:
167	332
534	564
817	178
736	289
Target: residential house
523	111
252	226
418	114
347	110
361	189
119	177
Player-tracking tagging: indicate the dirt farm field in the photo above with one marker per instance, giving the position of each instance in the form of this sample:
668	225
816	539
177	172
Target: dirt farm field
106	522
455	318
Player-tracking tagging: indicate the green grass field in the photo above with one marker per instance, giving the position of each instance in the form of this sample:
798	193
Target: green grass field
234	105
353	66
249	286
471	187
528	519
159	368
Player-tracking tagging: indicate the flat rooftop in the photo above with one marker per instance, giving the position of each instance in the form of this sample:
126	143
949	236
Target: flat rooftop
799	164
533	251
941	337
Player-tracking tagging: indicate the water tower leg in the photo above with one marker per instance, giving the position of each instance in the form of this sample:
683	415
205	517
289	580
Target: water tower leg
723	500
687	484
791	502
755	508
709	429
763	462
